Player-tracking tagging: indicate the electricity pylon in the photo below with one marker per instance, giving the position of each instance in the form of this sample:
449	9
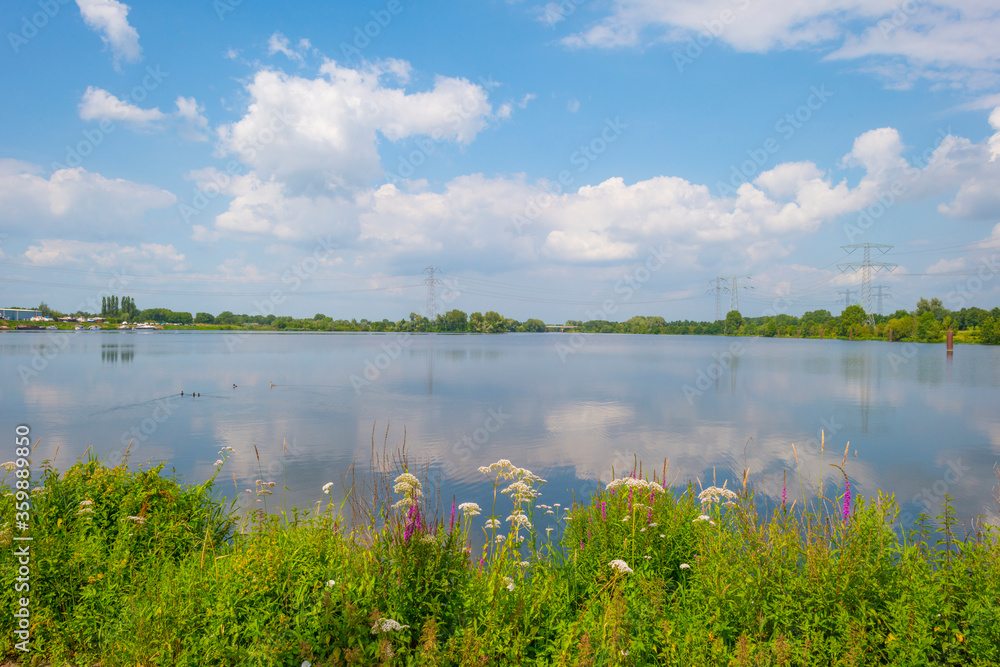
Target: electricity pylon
734	290
432	282
847	296
881	296
718	288
867	268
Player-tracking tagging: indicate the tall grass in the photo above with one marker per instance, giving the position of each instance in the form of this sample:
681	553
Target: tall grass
130	566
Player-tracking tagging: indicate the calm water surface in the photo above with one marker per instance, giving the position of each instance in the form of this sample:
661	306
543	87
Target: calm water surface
568	408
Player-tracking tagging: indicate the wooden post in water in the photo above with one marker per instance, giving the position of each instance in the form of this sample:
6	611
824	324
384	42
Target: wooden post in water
951	341
821	333
850	334
890	335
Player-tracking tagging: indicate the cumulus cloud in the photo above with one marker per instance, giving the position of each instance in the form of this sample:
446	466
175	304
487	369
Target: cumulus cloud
278	43
56	252
939	40
99	104
323	133
109	18
71	198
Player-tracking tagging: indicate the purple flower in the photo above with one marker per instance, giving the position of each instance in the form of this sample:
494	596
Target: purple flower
604	511
784	493
414	522
452	527
649	515
630	492
847	499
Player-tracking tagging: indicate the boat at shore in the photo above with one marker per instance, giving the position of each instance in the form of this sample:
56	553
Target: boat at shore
146	327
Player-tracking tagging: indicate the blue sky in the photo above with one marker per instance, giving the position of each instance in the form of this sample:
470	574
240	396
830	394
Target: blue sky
554	160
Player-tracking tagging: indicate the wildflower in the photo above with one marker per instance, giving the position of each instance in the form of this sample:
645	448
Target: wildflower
429	539
10	465
85	503
642	530
331	583
509	583
524	563
713	493
520	520
549	512
386	625
217	463
847	499
621	566
647	557
652	525
469	510
327	487
626	519
548	530
556	505
227	449
451	526
492	523
407	484
85	510
685	566
501	538
137	519
662	535
604	511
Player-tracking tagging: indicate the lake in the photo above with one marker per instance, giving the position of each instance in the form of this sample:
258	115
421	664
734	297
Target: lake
568	407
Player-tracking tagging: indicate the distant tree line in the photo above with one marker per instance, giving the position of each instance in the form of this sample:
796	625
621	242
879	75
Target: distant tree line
927	323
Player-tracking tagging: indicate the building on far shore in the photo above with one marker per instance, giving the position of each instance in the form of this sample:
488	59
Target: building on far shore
19	314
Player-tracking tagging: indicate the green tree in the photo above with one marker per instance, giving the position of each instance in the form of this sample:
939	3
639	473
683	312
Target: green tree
204	318
453	320
989	331
733	322
853	317
533	325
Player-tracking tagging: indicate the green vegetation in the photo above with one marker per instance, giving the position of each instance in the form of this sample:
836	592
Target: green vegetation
131	567
928	323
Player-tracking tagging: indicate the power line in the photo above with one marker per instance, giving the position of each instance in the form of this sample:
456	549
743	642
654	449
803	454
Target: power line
847	296
734	290
881	296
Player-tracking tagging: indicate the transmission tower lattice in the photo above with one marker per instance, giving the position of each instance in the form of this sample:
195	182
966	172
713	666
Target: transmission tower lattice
432	282
847	296
734	290
879	296
867	268
718	286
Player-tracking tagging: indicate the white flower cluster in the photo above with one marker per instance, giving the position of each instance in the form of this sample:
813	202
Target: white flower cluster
492	523
386	625
10	465
520	520
409	486
327	487
621	566
264	488
713	493
469	510
685	566
331	583
137	519
635	483
703	517
85	507
509	583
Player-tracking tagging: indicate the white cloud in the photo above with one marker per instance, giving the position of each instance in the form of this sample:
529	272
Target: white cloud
323	133
573	105
99	104
195	125
73	199
278	43
939	40
109	18
107	254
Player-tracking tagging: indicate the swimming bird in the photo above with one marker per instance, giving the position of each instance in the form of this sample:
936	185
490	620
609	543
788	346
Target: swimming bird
182	392
234	385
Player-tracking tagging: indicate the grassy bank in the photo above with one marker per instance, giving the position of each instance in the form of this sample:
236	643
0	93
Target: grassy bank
130	567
